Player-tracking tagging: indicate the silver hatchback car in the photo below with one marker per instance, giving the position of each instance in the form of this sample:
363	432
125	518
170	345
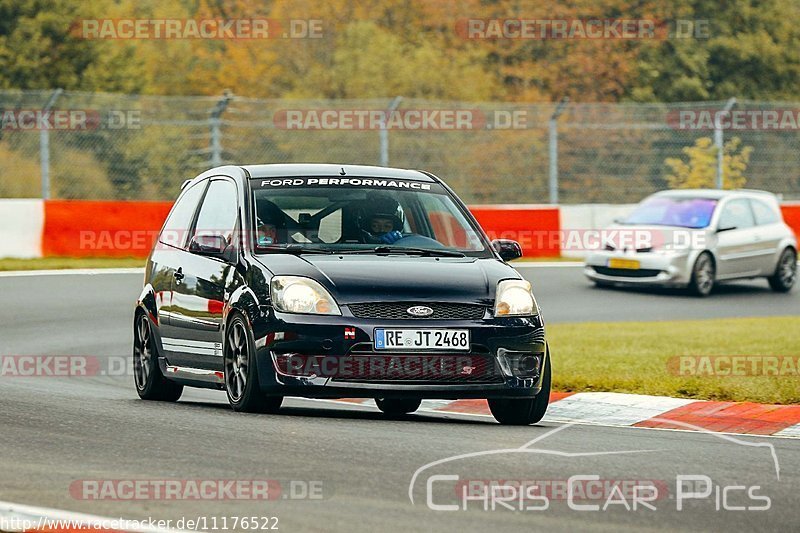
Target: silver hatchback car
696	238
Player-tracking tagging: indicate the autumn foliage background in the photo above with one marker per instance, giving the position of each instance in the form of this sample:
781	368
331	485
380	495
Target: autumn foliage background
379	48
374	50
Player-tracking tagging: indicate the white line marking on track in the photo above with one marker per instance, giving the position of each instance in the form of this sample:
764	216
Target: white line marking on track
551	419
70	272
613	408
791	431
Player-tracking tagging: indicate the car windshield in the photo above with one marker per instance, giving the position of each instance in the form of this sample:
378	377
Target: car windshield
673	211
361	215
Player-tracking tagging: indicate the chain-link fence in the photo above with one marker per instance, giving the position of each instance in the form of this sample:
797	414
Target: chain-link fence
106	146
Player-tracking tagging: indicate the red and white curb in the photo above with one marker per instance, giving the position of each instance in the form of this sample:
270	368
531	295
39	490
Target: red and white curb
635	410
17	518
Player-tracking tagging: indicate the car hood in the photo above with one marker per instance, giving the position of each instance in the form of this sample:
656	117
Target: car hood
370	278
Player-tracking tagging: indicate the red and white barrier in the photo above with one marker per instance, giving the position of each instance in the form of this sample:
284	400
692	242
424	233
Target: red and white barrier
583	217
638	410
84	228
21	228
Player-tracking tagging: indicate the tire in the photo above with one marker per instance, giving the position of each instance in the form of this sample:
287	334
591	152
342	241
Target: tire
523	412
704	274
240	371
785	274
396	407
147	377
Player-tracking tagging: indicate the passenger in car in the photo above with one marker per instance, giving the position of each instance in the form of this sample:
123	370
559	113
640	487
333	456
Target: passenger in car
271	224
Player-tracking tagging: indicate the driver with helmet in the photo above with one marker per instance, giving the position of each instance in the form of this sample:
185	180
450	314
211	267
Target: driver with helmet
382	220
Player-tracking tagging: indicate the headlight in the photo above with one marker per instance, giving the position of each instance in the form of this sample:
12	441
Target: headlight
514	298
293	294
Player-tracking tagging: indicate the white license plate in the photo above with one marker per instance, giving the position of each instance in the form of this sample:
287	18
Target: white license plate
422	339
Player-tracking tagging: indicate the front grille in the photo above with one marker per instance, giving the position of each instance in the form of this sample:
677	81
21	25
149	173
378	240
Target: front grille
627	273
421	369
398	311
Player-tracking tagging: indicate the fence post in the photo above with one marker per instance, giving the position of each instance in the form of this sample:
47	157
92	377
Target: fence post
44	146
215	122
553	149
384	131
718	141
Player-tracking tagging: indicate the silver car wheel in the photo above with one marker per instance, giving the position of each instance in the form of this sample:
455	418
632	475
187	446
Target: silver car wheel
788	269
237	361
142	353
704	274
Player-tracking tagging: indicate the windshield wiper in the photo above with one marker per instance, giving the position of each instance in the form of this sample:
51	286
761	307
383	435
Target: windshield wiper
423	252
293	249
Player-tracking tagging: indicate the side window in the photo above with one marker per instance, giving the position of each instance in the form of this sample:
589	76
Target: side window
219	212
448	225
764	213
180	219
737	214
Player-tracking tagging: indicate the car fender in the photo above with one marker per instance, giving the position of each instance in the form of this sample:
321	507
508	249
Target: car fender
147	303
694	254
244	301
691	259
786	242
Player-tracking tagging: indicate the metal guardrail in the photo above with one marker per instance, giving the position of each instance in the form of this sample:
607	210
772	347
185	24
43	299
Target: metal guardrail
144	147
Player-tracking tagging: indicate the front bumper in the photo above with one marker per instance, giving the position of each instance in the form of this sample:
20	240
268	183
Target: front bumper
497	345
662	270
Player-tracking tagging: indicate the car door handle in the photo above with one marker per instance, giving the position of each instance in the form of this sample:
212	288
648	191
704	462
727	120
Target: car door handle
179	274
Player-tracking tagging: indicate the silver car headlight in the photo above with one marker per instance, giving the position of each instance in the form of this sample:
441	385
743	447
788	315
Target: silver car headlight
295	294
514	298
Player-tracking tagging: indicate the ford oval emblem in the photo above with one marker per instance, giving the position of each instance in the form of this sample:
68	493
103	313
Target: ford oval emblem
419	310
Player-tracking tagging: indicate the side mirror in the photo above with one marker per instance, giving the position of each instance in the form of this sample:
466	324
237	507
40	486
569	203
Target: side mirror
507	249
725	228
209	245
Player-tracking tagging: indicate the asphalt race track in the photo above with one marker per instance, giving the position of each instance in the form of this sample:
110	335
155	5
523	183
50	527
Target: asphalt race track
55	432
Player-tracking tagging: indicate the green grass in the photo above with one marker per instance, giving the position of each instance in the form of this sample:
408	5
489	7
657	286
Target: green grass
633	357
61	263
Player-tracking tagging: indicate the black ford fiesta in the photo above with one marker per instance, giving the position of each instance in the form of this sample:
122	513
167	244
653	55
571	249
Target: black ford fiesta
330	281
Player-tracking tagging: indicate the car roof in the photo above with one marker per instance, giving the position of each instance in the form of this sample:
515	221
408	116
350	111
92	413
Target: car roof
715	194
317	169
